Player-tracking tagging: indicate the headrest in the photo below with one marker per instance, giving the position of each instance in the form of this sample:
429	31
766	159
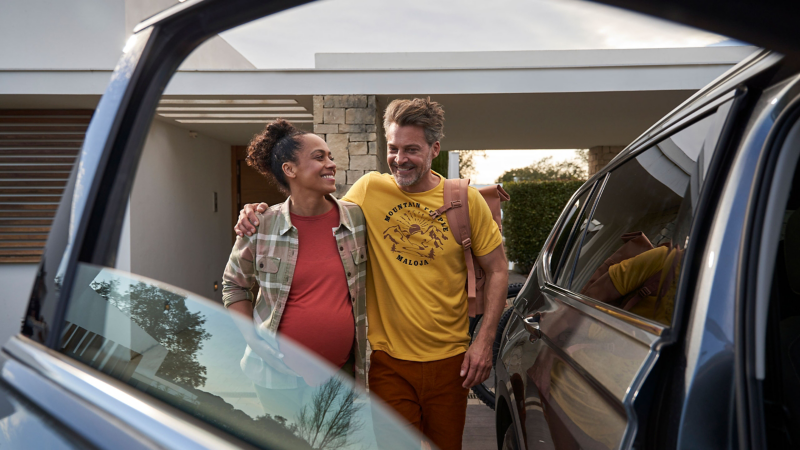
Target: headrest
791	251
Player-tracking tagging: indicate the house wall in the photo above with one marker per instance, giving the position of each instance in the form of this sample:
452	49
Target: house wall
175	235
17	282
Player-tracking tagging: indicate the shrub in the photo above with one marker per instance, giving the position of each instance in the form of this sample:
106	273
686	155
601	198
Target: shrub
531	214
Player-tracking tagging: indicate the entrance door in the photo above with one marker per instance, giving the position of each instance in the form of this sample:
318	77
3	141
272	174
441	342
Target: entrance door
249	186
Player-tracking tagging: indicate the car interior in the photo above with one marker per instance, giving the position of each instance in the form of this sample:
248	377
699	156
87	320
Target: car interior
782	383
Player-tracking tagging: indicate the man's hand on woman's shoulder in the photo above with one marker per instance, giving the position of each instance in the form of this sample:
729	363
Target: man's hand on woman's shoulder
247	218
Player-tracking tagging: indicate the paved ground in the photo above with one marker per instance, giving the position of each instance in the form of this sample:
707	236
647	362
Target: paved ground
479	431
514	277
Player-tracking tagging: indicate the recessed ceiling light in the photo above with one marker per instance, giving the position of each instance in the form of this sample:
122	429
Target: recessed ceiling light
231	108
237	116
193	101
233	121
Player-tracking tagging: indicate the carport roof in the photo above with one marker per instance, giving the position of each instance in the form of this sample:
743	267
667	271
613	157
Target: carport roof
493	100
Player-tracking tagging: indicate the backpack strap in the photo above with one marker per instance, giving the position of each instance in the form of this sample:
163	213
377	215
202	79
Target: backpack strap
456	205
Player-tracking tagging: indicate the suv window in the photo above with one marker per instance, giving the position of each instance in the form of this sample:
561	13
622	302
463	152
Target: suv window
567	231
188	352
632	250
568	263
156	320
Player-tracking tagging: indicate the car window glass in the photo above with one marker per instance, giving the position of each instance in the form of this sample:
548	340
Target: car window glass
632	252
153	317
566	232
188	352
568	263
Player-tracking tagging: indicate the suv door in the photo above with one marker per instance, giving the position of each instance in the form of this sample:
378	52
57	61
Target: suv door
121	360
576	363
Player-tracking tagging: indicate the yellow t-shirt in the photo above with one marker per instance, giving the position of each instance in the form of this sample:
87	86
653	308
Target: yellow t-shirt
416	299
628	275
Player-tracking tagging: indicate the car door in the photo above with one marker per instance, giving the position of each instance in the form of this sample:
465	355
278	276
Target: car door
125	361
580	362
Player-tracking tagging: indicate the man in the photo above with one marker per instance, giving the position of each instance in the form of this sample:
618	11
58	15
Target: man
422	364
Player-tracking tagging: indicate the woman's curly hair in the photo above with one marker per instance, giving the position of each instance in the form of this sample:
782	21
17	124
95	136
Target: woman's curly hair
271	148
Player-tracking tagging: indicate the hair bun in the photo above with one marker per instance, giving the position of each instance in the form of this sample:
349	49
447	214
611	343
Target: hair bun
269	149
278	130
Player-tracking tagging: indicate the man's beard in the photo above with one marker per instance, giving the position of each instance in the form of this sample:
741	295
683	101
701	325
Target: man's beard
412	178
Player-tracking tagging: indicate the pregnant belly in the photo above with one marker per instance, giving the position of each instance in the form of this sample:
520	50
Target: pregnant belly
328	333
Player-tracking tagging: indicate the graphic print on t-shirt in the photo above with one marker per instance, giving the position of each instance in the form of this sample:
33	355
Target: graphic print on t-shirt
413	234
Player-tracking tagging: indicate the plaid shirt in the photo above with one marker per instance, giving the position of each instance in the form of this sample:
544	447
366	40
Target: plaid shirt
270	257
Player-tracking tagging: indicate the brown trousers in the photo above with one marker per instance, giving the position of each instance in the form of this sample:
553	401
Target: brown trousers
426	394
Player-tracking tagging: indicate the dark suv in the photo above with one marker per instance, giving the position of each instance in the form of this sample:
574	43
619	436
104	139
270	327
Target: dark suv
664	309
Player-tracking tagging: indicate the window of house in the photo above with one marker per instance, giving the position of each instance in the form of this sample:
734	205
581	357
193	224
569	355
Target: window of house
633	247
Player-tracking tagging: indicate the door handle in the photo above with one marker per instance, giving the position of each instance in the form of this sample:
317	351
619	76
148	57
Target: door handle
532	324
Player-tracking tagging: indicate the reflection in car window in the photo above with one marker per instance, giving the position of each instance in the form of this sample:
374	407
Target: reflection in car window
24	427
567	266
632	252
566	230
187	351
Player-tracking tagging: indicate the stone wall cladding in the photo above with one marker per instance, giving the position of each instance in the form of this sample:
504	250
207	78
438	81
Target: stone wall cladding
601	155
348	123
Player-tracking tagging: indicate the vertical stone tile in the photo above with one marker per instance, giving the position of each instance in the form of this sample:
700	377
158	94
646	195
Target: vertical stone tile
318	105
337	143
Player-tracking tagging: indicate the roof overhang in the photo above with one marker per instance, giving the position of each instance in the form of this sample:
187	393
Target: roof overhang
493	100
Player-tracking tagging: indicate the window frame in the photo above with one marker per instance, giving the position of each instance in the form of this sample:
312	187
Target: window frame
729	98
98	189
553	274
601	185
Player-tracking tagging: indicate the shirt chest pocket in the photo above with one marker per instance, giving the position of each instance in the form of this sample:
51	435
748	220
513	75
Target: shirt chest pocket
359	255
268	268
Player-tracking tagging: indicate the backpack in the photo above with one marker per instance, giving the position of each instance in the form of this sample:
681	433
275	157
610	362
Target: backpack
600	287
456	208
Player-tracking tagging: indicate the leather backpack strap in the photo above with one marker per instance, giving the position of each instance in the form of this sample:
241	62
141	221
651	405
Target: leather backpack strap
456	205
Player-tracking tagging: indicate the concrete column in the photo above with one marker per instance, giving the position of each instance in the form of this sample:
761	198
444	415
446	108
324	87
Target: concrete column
601	155
348	123
452	164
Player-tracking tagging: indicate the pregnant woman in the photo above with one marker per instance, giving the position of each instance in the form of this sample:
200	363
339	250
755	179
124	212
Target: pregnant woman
308	257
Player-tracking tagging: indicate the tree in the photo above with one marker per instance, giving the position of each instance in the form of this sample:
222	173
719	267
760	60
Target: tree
467	161
164	316
547	170
331	416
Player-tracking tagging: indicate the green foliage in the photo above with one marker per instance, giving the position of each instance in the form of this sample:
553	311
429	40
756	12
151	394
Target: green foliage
439	164
547	170
531	214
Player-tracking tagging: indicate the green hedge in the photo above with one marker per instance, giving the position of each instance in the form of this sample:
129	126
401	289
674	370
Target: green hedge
531	214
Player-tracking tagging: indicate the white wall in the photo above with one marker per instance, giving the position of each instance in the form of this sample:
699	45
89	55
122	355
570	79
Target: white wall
17	282
175	236
54	34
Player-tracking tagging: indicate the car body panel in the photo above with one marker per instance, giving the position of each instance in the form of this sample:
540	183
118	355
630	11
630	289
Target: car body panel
608	379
